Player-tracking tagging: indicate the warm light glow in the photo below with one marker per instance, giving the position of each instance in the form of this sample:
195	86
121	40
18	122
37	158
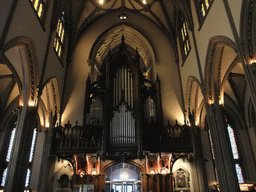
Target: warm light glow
101	2
164	171
144	2
94	172
47	125
245	187
152	171
31	103
82	173
251	61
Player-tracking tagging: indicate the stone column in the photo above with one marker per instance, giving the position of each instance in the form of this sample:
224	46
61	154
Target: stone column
20	156
224	161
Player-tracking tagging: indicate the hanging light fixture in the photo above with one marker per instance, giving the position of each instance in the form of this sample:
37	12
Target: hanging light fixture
122	16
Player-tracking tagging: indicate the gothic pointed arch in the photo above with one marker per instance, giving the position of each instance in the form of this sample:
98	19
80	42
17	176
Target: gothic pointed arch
21	54
194	99
220	54
247	29
49	105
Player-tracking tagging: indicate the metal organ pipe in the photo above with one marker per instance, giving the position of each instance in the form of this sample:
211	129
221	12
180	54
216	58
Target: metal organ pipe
122	125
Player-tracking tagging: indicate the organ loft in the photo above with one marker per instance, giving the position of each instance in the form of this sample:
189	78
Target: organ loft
123	126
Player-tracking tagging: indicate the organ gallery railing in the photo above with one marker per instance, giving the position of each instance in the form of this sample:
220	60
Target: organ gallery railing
76	139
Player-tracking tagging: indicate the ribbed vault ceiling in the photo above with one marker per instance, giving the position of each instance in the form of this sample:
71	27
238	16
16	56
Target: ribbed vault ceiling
132	38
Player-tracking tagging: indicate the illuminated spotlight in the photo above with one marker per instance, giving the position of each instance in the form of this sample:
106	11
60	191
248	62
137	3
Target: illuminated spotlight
101	2
144	2
122	16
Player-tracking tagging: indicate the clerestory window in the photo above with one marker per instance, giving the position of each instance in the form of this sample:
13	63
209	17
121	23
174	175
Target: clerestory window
184	39
40	7
60	36
203	7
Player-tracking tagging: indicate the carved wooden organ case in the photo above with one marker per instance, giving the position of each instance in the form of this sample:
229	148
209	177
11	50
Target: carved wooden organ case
123	107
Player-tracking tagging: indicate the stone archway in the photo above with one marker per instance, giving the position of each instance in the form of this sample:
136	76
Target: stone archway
123	177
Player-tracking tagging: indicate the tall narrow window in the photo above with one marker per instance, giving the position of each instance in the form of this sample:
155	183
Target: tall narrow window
4	177
60	36
235	153
10	145
213	156
8	154
184	39
203	7
32	149
40	7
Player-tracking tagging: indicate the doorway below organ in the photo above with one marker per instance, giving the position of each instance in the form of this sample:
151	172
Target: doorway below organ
123	177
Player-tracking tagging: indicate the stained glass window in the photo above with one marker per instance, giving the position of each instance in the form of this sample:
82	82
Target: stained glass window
233	144
184	38
4	177
32	145
27	178
9	151
60	36
203	7
40	7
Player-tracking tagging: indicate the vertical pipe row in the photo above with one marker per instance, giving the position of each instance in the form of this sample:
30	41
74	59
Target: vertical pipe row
129	98
122	123
125	83
131	92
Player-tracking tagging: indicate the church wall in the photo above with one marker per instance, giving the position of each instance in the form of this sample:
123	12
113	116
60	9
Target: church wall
29	26
236	7
216	24
171	92
189	67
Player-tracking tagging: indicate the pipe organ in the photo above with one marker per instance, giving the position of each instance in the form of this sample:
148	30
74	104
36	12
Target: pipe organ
123	103
95	117
150	110
123	87
122	125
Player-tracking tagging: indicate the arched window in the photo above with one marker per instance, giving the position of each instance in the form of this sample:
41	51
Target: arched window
60	36
40	7
203	7
184	38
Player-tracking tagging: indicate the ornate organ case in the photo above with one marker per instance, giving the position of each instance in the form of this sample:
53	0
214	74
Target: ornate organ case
123	107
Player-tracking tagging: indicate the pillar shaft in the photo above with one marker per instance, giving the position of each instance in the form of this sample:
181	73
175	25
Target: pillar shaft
20	156
223	155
